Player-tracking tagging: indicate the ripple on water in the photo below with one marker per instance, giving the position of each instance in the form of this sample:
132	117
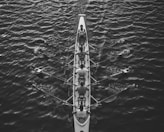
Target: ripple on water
112	27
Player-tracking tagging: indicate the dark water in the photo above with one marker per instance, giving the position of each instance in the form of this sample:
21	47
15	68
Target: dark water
52	24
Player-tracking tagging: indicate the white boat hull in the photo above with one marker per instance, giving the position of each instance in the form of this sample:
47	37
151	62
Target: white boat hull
81	118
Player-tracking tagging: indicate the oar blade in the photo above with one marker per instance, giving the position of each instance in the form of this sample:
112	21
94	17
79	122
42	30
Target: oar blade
110	99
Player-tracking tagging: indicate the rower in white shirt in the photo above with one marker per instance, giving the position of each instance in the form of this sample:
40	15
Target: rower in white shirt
82	71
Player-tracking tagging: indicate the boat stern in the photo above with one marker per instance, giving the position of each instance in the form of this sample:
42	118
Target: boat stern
81	121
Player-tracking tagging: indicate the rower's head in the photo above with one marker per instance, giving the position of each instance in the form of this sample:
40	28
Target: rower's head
81	66
82	83
81	49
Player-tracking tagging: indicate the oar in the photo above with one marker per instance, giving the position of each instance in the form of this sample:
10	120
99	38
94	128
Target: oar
60	78
65	102
110	98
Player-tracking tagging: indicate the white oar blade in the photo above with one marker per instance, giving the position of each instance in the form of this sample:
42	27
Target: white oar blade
109	99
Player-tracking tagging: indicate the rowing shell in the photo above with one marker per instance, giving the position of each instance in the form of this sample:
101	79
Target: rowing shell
81	118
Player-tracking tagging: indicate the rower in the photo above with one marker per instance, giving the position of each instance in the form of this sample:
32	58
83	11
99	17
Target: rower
81	89
82	35
82	71
81	79
81	55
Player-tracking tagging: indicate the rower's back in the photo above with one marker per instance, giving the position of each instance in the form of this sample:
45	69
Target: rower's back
81	90
82	71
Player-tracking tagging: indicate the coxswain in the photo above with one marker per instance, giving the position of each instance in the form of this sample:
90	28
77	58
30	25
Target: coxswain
82	35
